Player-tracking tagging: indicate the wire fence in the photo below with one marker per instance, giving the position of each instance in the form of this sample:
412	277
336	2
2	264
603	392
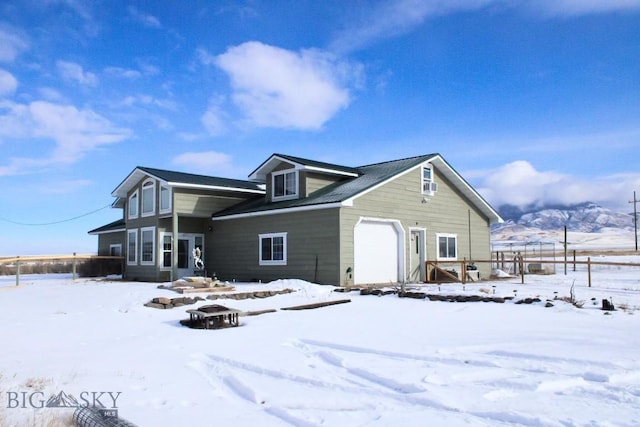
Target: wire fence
76	264
594	266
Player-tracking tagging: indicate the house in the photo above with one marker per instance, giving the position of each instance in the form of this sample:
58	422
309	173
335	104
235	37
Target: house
300	218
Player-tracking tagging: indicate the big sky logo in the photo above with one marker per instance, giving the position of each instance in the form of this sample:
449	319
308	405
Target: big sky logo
37	400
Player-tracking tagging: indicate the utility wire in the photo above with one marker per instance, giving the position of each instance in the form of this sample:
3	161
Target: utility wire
54	222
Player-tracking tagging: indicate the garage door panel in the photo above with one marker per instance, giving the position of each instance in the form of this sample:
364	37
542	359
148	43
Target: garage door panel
375	252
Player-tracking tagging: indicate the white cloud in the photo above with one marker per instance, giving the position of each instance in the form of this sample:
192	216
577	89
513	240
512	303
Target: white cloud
145	19
75	133
51	94
519	183
278	88
11	45
581	7
391	18
8	83
215	119
74	72
125	73
207	162
148	100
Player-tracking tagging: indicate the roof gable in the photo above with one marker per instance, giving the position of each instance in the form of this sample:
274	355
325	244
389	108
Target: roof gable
261	172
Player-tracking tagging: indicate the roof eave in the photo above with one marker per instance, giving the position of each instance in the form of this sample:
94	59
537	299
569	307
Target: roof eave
216	188
260	173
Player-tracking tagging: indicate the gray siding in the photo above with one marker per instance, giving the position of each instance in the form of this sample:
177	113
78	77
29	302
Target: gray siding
194	209
311	182
199	204
447	211
312	240
105	240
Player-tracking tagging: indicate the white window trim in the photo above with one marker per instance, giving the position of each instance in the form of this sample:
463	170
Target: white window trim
283	261
153	245
162	251
428	192
288	196
148	185
438	257
115	245
169	194
135	194
133	231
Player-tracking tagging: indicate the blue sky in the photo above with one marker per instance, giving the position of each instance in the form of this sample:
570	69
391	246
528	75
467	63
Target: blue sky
531	101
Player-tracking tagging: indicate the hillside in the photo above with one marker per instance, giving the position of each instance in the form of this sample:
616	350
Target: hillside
588	225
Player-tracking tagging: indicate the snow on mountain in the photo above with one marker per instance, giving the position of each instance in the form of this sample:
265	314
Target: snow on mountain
587	222
586	218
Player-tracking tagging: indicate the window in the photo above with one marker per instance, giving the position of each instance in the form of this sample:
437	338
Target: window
165	199
428	186
147	243
285	185
447	246
132	247
115	249
167	257
148	198
133	205
273	249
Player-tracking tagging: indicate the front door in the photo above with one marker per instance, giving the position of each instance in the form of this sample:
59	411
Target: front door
418	255
188	265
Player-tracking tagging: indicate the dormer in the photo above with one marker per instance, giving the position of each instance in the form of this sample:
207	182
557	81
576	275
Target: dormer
289	178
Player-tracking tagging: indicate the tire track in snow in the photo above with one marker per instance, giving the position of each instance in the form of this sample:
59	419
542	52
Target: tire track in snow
563	375
214	375
388	383
249	396
398	355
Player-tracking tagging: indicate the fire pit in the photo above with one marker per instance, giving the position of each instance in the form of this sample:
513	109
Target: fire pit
212	317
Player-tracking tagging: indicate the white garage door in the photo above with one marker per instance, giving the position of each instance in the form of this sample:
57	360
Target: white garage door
376	247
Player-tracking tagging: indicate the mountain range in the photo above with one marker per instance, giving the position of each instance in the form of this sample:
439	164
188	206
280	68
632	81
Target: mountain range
584	217
589	226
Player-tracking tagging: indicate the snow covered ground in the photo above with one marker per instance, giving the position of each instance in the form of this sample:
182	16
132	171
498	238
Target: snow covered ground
377	361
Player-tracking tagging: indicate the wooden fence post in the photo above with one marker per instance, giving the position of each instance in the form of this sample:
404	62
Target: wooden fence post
73	268
18	271
589	270
463	270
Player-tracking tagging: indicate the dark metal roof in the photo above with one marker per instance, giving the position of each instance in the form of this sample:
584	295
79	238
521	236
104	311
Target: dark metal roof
112	227
189	178
321	165
370	176
185	179
265	167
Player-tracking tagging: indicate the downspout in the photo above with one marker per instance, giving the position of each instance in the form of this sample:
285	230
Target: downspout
469	213
174	240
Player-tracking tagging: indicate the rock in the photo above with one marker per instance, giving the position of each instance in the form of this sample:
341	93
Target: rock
162	300
548	304
154	305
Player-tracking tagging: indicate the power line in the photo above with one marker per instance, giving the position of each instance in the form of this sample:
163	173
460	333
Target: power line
39	224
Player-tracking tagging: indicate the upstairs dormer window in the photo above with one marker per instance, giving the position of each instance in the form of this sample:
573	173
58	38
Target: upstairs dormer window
285	185
429	187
